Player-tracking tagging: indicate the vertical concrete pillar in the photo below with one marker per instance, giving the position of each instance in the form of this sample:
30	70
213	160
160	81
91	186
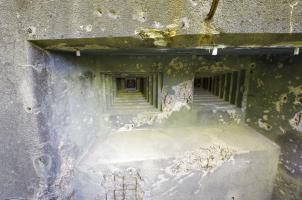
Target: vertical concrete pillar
138	84
212	85
246	86
143	87
217	86
141	80
114	88
208	83
221	85
118	84
240	88
146	85
106	92
103	92
205	83
159	92
150	79
227	84
123	84
233	87
111	91
154	76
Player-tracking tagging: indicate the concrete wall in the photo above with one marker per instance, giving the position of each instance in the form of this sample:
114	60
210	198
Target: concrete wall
82	18
274	108
71	98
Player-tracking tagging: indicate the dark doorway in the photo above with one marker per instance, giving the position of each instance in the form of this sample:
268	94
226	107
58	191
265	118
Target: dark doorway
131	83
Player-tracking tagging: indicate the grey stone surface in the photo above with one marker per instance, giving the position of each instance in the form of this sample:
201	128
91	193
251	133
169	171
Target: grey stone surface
172	162
277	84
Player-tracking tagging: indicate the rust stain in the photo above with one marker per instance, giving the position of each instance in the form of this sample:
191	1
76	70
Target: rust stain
212	10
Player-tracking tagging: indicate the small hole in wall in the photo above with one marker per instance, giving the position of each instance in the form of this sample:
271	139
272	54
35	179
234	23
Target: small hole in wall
29	30
183	25
269	127
113	12
99	12
285	98
28	108
253	65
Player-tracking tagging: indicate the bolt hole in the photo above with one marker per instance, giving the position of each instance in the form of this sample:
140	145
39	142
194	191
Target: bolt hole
183	25
113	12
253	65
29	30
99	12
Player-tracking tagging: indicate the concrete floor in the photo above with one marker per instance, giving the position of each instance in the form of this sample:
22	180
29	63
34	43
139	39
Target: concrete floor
167	163
212	160
127	102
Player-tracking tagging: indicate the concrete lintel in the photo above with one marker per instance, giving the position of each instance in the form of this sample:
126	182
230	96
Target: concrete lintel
179	44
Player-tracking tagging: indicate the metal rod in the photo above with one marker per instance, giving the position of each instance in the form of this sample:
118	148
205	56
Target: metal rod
213	9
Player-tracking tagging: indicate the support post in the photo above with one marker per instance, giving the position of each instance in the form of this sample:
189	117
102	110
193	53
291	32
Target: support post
212	84
240	88
160	88
227	83
154	90
221	85
233	87
103	91
209	83
217	86
138	84
150	78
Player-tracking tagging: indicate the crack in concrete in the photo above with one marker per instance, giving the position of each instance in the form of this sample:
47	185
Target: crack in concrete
292	6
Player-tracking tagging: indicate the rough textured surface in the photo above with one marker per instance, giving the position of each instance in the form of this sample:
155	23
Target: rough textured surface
72	19
186	162
277	83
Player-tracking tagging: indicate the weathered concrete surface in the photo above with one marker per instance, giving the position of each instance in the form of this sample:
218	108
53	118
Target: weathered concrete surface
29	149
73	19
273	107
20	142
182	163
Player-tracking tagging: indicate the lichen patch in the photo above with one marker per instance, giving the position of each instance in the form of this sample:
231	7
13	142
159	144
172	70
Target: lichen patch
296	121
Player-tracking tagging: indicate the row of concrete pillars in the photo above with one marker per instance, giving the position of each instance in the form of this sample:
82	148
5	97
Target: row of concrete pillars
150	85
154	91
229	86
108	90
